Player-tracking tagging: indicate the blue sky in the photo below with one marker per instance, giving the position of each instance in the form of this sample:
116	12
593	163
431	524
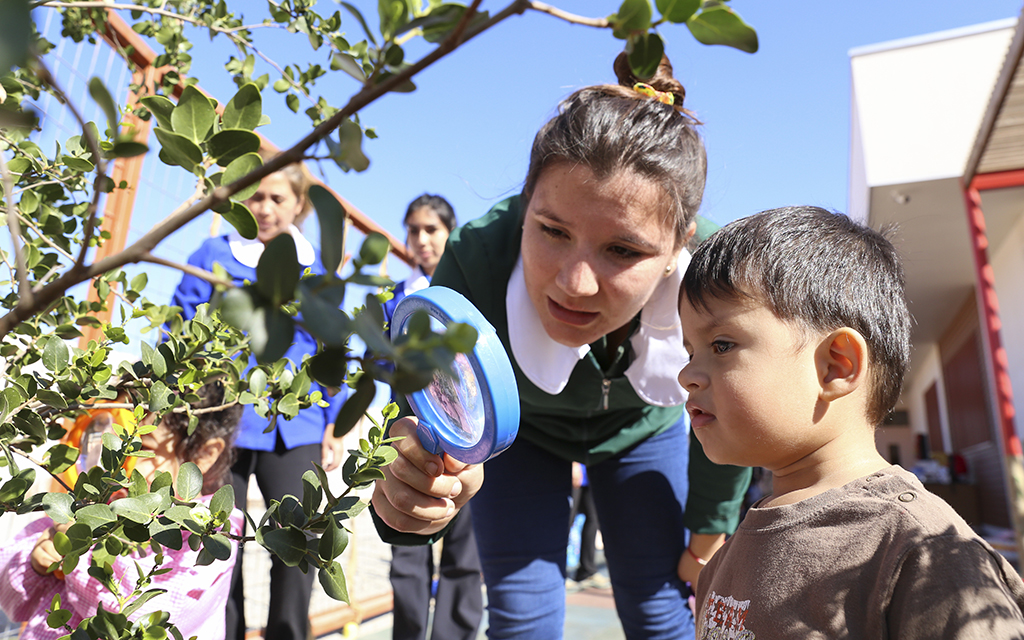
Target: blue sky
776	122
776	126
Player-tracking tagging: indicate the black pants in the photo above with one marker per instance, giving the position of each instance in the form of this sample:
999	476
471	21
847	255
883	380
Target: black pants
278	473
459	604
583	502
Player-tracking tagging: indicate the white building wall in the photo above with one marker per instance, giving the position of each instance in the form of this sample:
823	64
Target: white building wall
1008	267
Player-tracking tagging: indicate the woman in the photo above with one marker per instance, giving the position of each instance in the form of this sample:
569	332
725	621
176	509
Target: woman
580	276
278	458
458	605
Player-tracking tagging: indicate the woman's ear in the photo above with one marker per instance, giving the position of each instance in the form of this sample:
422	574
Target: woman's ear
209	453
842	363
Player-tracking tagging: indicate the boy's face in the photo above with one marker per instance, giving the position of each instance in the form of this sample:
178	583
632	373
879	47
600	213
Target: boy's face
753	384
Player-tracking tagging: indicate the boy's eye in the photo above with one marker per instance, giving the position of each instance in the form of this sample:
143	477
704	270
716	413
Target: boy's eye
721	346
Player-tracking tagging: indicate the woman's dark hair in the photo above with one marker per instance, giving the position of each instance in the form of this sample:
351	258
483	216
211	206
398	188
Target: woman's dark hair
441	208
216	424
611	128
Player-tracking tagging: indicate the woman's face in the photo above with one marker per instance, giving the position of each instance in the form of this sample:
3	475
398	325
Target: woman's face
427	235
594	250
275	206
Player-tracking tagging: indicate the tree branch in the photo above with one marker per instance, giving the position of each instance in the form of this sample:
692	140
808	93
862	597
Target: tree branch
150	240
599	23
21	266
97	154
203	274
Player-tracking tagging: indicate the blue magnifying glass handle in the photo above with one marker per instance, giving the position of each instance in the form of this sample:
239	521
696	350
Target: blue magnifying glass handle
472	412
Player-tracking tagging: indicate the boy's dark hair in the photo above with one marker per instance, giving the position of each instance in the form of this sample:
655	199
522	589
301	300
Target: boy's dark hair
820	269
215	424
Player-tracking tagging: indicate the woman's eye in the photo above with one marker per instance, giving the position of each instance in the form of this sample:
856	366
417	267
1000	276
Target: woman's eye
551	231
721	346
625	253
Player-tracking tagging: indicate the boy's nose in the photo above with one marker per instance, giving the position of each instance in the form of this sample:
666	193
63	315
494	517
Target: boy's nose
689	378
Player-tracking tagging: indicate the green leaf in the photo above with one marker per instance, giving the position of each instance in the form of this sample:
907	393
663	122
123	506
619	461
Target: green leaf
160	396
332	579
56	354
16	33
331	215
393	16
161	108
288	405
322	318
78	164
223	500
58	506
332	542
355	407
237	307
460	337
58	618
633	16
51	399
93	516
374	249
312	493
292	101
329	367
229	144
278	270
29	202
645	55
677	11
218	546
102	97
721	25
178	150
240	167
193	116
270	334
242	220
350	155
139	509
61	458
346	63
257	381
189	483
245	109
287	544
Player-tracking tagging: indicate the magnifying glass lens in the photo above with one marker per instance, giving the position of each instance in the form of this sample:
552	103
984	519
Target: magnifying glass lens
458	399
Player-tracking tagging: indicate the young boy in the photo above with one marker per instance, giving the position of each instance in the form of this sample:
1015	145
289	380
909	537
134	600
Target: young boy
798	334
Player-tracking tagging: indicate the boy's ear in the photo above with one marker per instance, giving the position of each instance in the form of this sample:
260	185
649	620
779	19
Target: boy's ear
208	453
842	363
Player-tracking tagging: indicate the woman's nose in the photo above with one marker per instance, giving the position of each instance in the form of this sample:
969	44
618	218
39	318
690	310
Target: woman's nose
577	278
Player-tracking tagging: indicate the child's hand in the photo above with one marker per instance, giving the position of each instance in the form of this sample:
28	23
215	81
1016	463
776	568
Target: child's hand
44	553
422	491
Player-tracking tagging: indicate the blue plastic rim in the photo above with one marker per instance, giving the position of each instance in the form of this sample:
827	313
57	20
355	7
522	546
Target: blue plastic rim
474	416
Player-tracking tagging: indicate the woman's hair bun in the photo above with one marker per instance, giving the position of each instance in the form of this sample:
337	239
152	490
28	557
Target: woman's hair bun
663	79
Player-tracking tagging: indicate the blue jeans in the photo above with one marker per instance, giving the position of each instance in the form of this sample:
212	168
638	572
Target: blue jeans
521	517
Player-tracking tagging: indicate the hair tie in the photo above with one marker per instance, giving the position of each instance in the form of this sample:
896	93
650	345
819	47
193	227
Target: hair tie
664	97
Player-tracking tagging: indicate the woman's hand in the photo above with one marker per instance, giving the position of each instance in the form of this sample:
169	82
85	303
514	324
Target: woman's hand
422	492
703	546
332	450
44	553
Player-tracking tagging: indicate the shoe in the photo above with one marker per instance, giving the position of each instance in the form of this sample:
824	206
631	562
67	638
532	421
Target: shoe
571	586
596	581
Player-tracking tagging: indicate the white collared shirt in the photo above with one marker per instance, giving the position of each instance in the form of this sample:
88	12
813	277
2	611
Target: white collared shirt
248	252
658	353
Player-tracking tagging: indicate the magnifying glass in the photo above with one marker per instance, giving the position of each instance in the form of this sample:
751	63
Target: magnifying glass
473	415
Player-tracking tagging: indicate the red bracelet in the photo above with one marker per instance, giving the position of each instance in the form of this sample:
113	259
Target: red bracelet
701	561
